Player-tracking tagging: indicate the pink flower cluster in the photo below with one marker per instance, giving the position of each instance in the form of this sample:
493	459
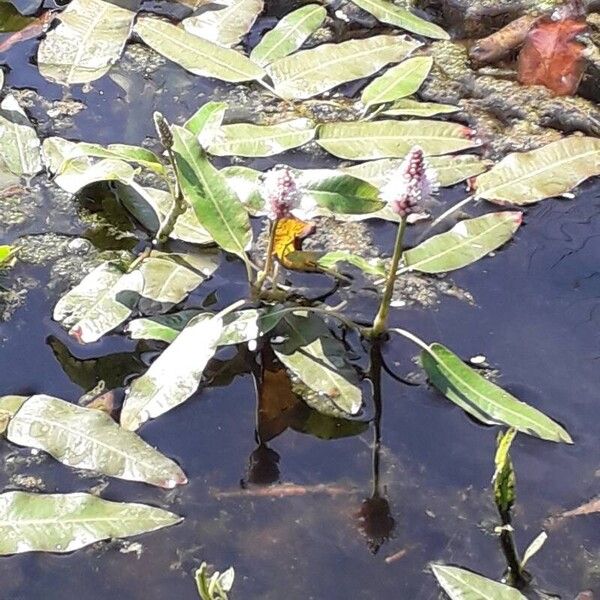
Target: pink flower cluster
410	185
281	192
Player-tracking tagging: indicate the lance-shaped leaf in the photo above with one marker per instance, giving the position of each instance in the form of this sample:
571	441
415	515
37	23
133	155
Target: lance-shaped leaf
372	267
194	54
85	438
162	328
207	191
465	243
19	146
92	308
206	121
399	81
289	34
461	584
483	399
388	12
81	171
449	170
504	479
246	139
311	72
88	41
66	522
339	192
406	107
225	26
555	169
310	352
175	375
151	206
136	154
393	139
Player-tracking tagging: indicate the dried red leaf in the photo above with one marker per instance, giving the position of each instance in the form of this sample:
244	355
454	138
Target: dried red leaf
552	57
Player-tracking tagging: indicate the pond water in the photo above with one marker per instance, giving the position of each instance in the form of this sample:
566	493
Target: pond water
535	318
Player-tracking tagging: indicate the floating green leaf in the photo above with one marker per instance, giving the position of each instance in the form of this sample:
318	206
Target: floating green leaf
163	328
310	72
310	352
66	522
20	145
289	34
206	121
465	243
85	438
9	405
205	188
79	172
461	584
393	139
136	154
225	26
413	108
194	54
88	41
387	12
553	170
399	81
175	375
7	254
372	267
246	139
449	170
485	400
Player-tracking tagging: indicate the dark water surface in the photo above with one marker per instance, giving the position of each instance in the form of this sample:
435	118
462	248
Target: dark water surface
536	319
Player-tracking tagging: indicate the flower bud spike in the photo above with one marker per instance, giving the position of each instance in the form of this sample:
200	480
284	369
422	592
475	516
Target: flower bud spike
163	129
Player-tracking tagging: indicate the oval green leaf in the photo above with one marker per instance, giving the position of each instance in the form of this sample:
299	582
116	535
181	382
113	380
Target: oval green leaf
66	522
399	81
392	139
311	72
465	243
483	399
289	34
85	438
528	177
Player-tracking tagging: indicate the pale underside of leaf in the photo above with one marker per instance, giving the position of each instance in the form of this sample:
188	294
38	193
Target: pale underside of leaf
392	139
86	438
195	54
413	108
311	72
289	34
88	40
66	522
553	170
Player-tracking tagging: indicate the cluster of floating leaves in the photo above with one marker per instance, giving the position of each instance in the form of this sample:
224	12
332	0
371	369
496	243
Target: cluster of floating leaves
88	40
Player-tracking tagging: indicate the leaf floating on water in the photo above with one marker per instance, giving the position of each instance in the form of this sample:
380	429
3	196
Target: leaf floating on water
553	170
310	352
175	375
194	54
311	72
19	146
373	267
246	139
483	399
465	243
461	584
85	438
206	121
393	139
136	154
449	170
66	522
162	328
225	26
387	12
9	405
289	34
206	189
7	255
405	107
87	42
399	81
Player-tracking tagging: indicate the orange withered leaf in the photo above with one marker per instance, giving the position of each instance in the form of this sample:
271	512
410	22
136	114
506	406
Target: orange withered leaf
551	56
289	235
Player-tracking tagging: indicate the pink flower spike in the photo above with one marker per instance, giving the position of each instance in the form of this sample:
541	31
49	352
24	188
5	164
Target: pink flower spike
412	184
280	191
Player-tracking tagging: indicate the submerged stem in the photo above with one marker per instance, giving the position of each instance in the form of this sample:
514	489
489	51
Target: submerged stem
380	322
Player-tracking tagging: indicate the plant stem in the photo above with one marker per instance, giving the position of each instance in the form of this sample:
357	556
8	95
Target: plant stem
268	259
380	322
